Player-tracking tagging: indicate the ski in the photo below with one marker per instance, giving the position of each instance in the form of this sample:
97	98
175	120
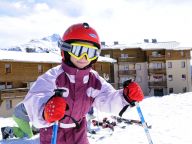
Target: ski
104	124
101	129
129	121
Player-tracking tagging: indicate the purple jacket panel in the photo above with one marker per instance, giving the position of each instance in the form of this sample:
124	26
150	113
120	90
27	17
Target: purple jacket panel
66	136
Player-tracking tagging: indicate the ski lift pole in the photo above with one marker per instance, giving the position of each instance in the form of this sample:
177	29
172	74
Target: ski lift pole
143	123
58	92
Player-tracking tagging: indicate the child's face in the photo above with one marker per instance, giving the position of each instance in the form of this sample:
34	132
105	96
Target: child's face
81	63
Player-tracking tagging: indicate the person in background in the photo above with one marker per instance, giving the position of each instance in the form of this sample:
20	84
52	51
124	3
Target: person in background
23	128
80	48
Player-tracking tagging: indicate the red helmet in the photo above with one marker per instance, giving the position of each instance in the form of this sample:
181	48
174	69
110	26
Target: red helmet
81	32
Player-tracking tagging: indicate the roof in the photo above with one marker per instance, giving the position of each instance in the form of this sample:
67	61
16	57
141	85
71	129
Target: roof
171	45
16	56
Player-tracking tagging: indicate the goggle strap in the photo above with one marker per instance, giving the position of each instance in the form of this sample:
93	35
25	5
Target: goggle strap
64	46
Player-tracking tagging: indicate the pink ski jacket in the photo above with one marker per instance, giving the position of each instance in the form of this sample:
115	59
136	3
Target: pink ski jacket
84	88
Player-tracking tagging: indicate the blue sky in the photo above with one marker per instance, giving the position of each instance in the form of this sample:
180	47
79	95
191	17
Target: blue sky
125	21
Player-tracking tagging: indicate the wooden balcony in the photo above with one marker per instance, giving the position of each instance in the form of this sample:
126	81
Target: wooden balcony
159	84
157	71
12	93
156	58
133	58
127	72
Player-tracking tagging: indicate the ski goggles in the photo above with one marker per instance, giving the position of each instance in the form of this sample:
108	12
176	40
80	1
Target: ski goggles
79	49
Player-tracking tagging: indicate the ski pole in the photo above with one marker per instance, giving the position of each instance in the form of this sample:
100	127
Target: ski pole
58	92
143	123
54	135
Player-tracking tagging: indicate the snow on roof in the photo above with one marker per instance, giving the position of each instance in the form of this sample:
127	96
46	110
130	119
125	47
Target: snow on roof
120	46
39	57
159	45
106	59
171	45
29	57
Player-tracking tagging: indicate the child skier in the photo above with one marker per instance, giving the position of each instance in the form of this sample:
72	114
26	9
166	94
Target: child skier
80	48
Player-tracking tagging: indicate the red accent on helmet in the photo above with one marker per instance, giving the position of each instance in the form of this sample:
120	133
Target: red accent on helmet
81	32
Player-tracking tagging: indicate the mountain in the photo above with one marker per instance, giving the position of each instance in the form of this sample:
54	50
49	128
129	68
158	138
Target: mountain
45	44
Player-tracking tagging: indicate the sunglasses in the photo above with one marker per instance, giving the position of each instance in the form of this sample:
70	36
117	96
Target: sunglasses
78	50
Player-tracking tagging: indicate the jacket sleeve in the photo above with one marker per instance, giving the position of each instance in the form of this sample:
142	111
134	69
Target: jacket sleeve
39	94
109	99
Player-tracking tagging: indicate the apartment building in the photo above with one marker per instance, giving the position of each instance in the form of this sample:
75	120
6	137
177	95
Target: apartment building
159	67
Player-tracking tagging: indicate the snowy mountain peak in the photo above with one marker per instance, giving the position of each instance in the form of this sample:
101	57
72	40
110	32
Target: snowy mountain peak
52	38
45	44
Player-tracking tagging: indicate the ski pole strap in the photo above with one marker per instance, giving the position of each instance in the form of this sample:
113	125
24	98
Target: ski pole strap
74	124
143	123
63	125
123	110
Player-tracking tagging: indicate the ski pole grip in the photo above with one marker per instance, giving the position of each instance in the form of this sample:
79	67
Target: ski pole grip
59	92
126	83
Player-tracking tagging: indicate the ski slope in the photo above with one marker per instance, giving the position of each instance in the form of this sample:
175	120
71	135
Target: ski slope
170	117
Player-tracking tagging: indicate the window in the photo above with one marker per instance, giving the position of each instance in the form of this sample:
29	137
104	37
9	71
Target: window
126	67
40	69
182	64
183	77
7	68
169	64
170	90
157	65
170	77
2	85
124	55
184	89
9	85
8	104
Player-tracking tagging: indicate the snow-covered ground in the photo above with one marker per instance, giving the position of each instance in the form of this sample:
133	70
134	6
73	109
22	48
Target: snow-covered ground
170	117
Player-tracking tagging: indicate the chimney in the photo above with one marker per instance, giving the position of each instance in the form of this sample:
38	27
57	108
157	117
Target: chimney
116	42
154	40
146	40
103	43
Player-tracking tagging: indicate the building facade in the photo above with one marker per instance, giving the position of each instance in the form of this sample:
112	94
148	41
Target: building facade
159	68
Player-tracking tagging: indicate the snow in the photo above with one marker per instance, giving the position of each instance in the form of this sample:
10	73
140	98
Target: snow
169	45
170	117
51	57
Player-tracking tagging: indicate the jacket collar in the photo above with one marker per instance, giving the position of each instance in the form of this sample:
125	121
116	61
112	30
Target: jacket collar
75	71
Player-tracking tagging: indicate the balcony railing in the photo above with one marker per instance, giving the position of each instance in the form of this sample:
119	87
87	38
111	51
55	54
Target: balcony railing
157	84
157	71
131	58
127	72
156	57
12	93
